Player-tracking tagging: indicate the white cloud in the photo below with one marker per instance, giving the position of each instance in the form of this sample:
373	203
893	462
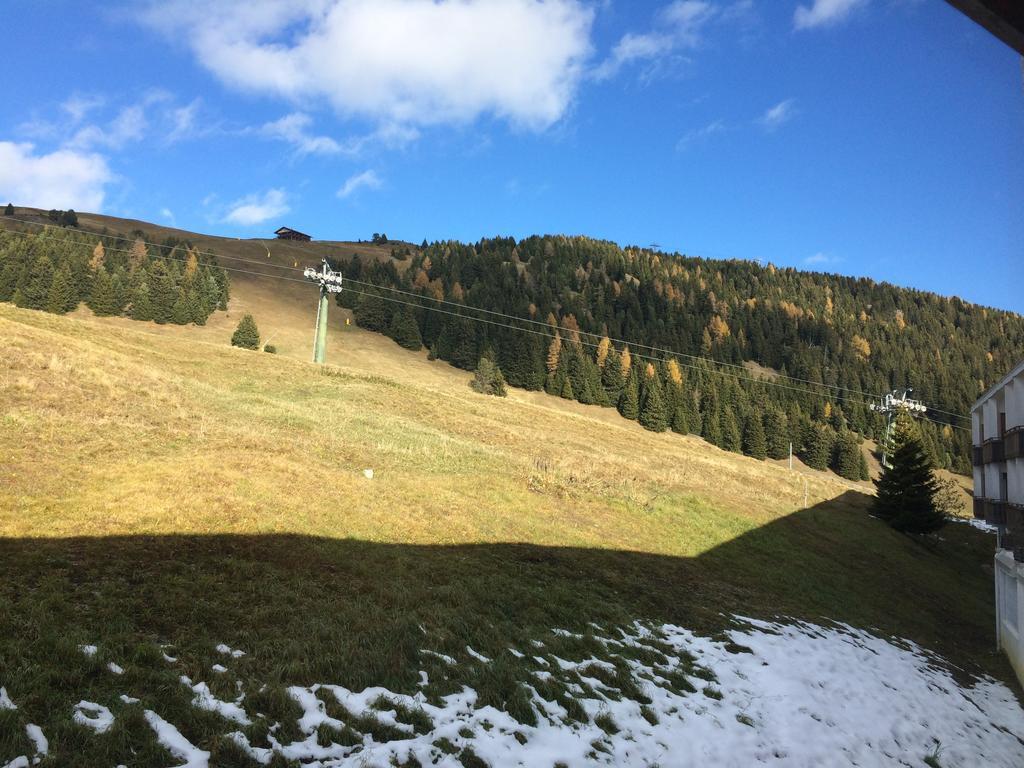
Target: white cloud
396	62
824	13
698	134
820	258
78	106
129	125
778	115
367	179
62	179
679	25
294	129
256	209
184	122
168	214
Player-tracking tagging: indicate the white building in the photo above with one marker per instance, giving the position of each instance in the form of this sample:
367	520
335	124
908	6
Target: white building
997	422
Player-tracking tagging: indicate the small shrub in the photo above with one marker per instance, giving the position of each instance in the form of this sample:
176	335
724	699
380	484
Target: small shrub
270	348
488	379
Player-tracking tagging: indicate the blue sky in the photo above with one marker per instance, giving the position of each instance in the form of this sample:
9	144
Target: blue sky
867	137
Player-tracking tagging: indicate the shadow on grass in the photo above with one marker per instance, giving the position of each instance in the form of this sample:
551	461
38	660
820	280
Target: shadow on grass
355	612
359	614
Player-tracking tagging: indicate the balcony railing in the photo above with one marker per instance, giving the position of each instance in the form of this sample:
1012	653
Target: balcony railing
1013	443
992	450
977	455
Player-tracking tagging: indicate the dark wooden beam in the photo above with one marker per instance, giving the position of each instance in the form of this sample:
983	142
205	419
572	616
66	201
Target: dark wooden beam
1003	18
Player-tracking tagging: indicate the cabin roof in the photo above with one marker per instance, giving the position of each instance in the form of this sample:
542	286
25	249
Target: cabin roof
289	230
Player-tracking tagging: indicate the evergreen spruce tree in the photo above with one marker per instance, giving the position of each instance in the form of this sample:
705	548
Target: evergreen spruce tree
732	438
711	417
863	467
372	313
847	456
681	418
629	399
754	443
9	277
163	292
180	314
141	304
776	433
196	308
101	296
405	330
819	447
487	379
9	210
567	391
652	410
62	296
246	335
907	488
612	379
33	291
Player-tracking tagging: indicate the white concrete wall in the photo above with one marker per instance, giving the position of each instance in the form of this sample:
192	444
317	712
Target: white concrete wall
1015	402
1009	577
976	416
991	418
1015	481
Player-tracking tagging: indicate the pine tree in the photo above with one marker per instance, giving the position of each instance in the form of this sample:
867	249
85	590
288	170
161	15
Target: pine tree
246	335
373	313
487	379
405	330
819	447
907	488
612	379
197	313
33	291
754	443
732	439
629	399
567	391
180	314
652	409
101	297
9	210
776	433
681	418
141	304
863	467
162	292
848	457
62	296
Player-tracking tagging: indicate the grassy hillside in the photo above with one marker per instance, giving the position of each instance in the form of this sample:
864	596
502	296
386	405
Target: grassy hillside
161	489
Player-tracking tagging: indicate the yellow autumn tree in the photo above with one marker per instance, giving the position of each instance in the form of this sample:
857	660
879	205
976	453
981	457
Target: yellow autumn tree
861	347
603	348
554	353
98	254
137	255
674	374
626	361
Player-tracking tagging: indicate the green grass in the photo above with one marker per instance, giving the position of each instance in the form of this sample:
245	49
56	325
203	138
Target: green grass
156	491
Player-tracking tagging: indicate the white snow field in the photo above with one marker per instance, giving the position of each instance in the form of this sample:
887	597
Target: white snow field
765	693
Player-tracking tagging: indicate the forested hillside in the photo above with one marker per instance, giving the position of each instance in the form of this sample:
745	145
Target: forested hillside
845	340
58	269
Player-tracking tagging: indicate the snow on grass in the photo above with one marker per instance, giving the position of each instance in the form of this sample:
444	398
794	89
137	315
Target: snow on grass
205	700
446	659
93	715
219	669
170	738
42	746
228	651
478	656
5	700
128	699
88	650
18	762
801	695
115	668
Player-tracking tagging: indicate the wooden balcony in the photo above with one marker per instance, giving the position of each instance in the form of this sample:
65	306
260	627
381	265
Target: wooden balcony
977	456
995	512
1013	443
992	451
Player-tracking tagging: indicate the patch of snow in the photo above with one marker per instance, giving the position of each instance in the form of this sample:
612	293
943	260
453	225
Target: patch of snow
5	700
232	652
88	650
19	762
424	680
206	700
446	659
116	669
128	699
169	659
974	522
42	746
477	656
517	654
368	474
804	695
220	670
170	738
93	715
566	633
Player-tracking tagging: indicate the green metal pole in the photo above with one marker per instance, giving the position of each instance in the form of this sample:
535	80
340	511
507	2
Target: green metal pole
320	347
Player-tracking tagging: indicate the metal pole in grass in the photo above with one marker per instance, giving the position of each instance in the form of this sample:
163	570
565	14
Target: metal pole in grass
329	282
